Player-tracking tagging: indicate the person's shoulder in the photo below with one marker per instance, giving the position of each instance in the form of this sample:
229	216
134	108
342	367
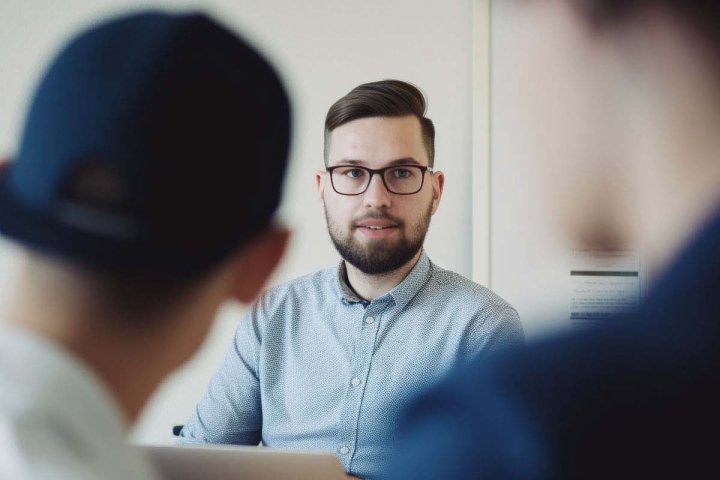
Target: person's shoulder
37	442
571	384
307	287
13	464
459	287
491	398
487	321
27	438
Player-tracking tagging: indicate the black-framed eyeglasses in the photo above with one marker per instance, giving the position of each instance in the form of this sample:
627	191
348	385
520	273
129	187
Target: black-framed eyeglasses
398	179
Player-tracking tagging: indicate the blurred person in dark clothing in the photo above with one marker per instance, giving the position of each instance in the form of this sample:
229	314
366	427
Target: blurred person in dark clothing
624	98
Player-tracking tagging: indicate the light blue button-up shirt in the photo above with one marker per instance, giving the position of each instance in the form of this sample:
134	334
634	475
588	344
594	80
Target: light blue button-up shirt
314	366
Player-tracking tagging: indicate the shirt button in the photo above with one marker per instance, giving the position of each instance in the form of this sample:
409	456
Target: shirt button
344	450
369	320
355	382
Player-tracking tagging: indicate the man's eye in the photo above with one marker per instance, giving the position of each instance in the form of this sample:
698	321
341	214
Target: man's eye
355	173
402	173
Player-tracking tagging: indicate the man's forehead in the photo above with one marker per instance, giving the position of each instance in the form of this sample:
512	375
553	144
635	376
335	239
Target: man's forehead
378	141
408	124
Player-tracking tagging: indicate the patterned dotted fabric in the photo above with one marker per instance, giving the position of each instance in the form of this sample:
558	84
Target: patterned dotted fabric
314	367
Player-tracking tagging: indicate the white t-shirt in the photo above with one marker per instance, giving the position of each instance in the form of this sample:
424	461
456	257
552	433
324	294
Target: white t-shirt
57	420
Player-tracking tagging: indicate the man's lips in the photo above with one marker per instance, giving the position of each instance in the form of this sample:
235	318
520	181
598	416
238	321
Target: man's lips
377	228
377	224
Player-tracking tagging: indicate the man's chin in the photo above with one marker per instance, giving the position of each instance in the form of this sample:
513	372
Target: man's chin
379	257
376	256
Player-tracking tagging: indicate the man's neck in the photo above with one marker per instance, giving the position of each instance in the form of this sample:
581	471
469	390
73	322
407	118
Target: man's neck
124	371
128	364
370	287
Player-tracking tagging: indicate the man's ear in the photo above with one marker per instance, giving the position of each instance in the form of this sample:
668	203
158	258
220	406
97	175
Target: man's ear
256	261
438	184
320	178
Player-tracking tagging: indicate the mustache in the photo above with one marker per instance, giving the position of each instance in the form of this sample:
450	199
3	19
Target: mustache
378	216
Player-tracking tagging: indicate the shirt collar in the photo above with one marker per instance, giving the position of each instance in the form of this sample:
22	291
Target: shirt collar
345	291
401	294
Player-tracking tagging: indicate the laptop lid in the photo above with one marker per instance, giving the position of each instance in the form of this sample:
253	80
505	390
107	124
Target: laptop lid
181	462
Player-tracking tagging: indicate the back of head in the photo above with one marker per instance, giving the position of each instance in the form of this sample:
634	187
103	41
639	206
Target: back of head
620	101
155	146
705	14
385	98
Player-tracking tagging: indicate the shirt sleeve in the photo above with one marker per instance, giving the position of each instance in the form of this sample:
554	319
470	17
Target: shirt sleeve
230	412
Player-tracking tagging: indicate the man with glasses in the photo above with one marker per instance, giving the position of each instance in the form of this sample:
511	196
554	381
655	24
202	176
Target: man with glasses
326	361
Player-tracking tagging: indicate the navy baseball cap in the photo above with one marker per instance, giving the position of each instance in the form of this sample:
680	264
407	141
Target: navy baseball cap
155	142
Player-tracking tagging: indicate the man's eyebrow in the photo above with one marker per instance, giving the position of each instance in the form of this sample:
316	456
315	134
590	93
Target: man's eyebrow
399	161
404	161
351	162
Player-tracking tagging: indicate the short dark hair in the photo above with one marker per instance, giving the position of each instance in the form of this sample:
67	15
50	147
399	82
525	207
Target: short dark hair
139	295
386	98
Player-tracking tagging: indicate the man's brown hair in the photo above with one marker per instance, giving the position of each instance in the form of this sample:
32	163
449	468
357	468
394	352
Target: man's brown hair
386	98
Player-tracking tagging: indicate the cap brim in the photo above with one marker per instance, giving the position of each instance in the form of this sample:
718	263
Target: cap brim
39	231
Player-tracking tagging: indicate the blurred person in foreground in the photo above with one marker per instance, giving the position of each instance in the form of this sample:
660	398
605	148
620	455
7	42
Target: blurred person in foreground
624	97
142	195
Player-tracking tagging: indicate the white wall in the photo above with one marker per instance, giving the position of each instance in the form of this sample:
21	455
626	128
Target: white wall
324	48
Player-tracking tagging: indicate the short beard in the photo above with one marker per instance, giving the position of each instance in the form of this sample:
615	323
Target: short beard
377	258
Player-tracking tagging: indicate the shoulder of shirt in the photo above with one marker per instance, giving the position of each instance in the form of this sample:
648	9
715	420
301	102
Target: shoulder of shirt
471	293
319	283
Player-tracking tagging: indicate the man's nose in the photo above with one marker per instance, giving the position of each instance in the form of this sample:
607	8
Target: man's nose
376	195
